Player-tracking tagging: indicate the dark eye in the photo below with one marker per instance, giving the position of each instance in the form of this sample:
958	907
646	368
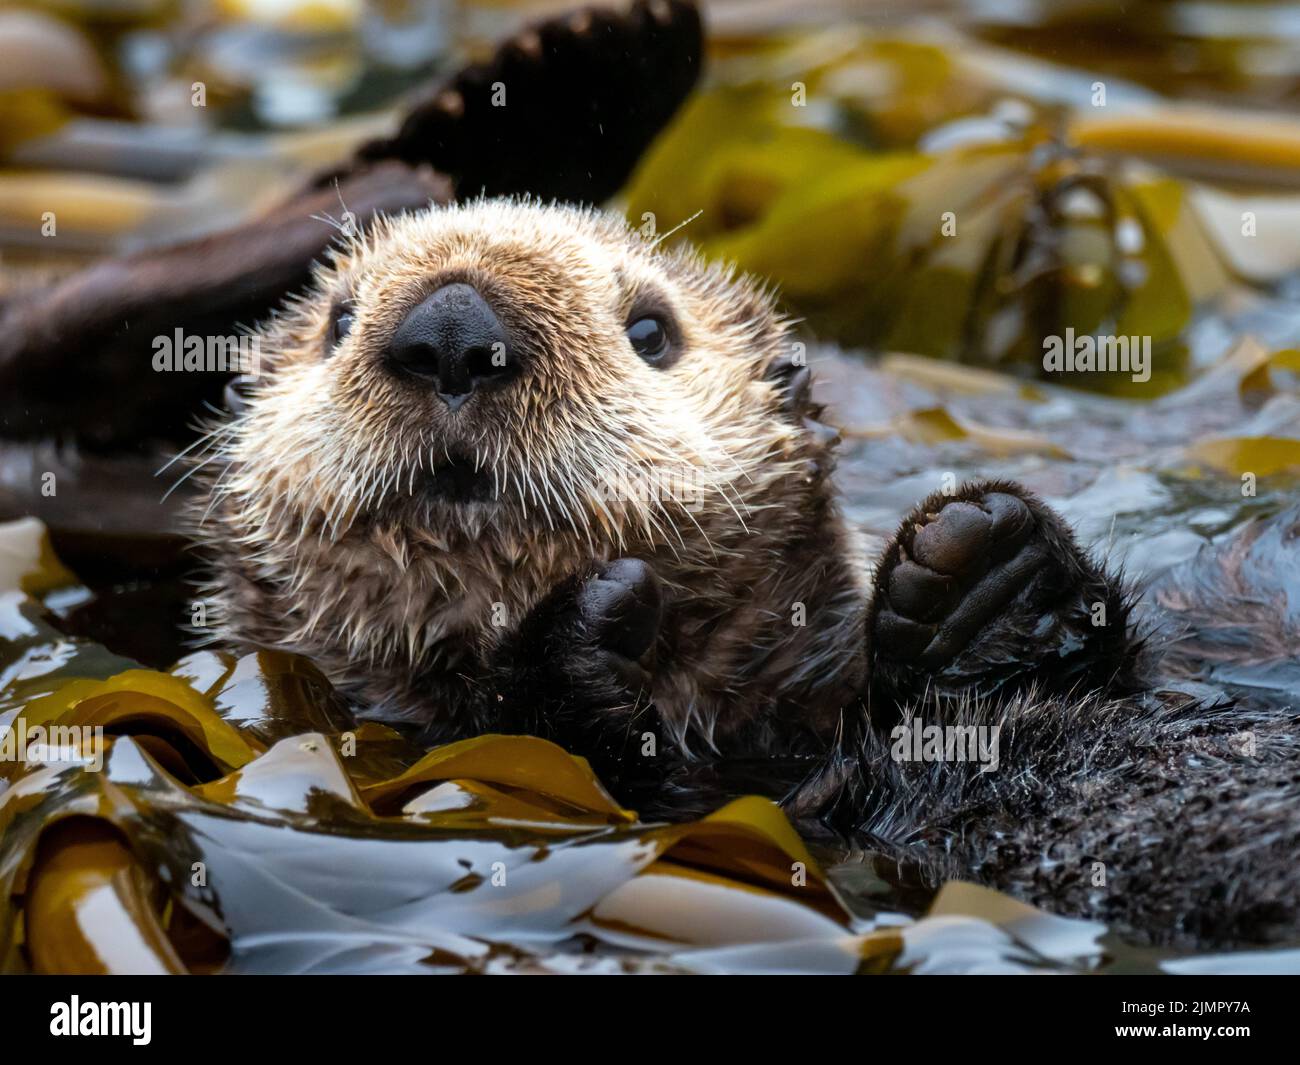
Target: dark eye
340	327
649	338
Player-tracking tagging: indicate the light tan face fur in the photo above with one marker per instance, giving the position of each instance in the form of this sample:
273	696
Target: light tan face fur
343	552
334	437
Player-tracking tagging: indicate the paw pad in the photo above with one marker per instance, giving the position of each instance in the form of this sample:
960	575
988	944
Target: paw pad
955	570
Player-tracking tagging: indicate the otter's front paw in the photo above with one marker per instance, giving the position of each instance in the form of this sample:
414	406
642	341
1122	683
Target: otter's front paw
578	669
614	622
985	587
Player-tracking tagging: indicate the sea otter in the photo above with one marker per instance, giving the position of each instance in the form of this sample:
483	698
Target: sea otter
511	467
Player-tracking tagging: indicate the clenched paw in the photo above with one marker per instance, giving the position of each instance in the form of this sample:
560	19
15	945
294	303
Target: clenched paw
988	585
617	611
578	669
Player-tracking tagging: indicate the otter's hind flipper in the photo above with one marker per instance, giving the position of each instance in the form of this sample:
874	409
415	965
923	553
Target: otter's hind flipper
986	590
563	110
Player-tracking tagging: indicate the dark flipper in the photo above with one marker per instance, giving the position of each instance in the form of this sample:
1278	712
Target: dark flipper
986	591
563	110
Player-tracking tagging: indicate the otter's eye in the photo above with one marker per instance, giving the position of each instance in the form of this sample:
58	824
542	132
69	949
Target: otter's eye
649	338
340	327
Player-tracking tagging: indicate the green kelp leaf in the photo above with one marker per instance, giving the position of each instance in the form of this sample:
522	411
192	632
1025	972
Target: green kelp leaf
301	16
935	294
282	842
936	425
1100	266
293	776
871	953
467	805
269	695
1255	149
524	762
855	247
27	559
963	380
92	206
679	904
882	90
1061	939
752	840
205	671
896	90
756	159
983	252
689	893
1255	366
26	114
1178	269
822	242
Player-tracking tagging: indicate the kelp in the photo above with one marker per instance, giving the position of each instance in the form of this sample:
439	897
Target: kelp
197	838
1234	50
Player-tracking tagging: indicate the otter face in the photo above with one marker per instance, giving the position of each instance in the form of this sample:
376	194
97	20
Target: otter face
504	365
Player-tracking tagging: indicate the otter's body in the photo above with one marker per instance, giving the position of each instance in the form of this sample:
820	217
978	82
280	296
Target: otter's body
512	468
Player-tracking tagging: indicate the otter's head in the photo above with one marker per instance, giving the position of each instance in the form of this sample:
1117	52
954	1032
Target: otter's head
508	369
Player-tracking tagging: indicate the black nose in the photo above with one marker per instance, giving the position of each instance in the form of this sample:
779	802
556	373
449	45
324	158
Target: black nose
454	342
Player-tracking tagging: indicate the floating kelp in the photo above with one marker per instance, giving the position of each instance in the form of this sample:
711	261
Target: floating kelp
1239	51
